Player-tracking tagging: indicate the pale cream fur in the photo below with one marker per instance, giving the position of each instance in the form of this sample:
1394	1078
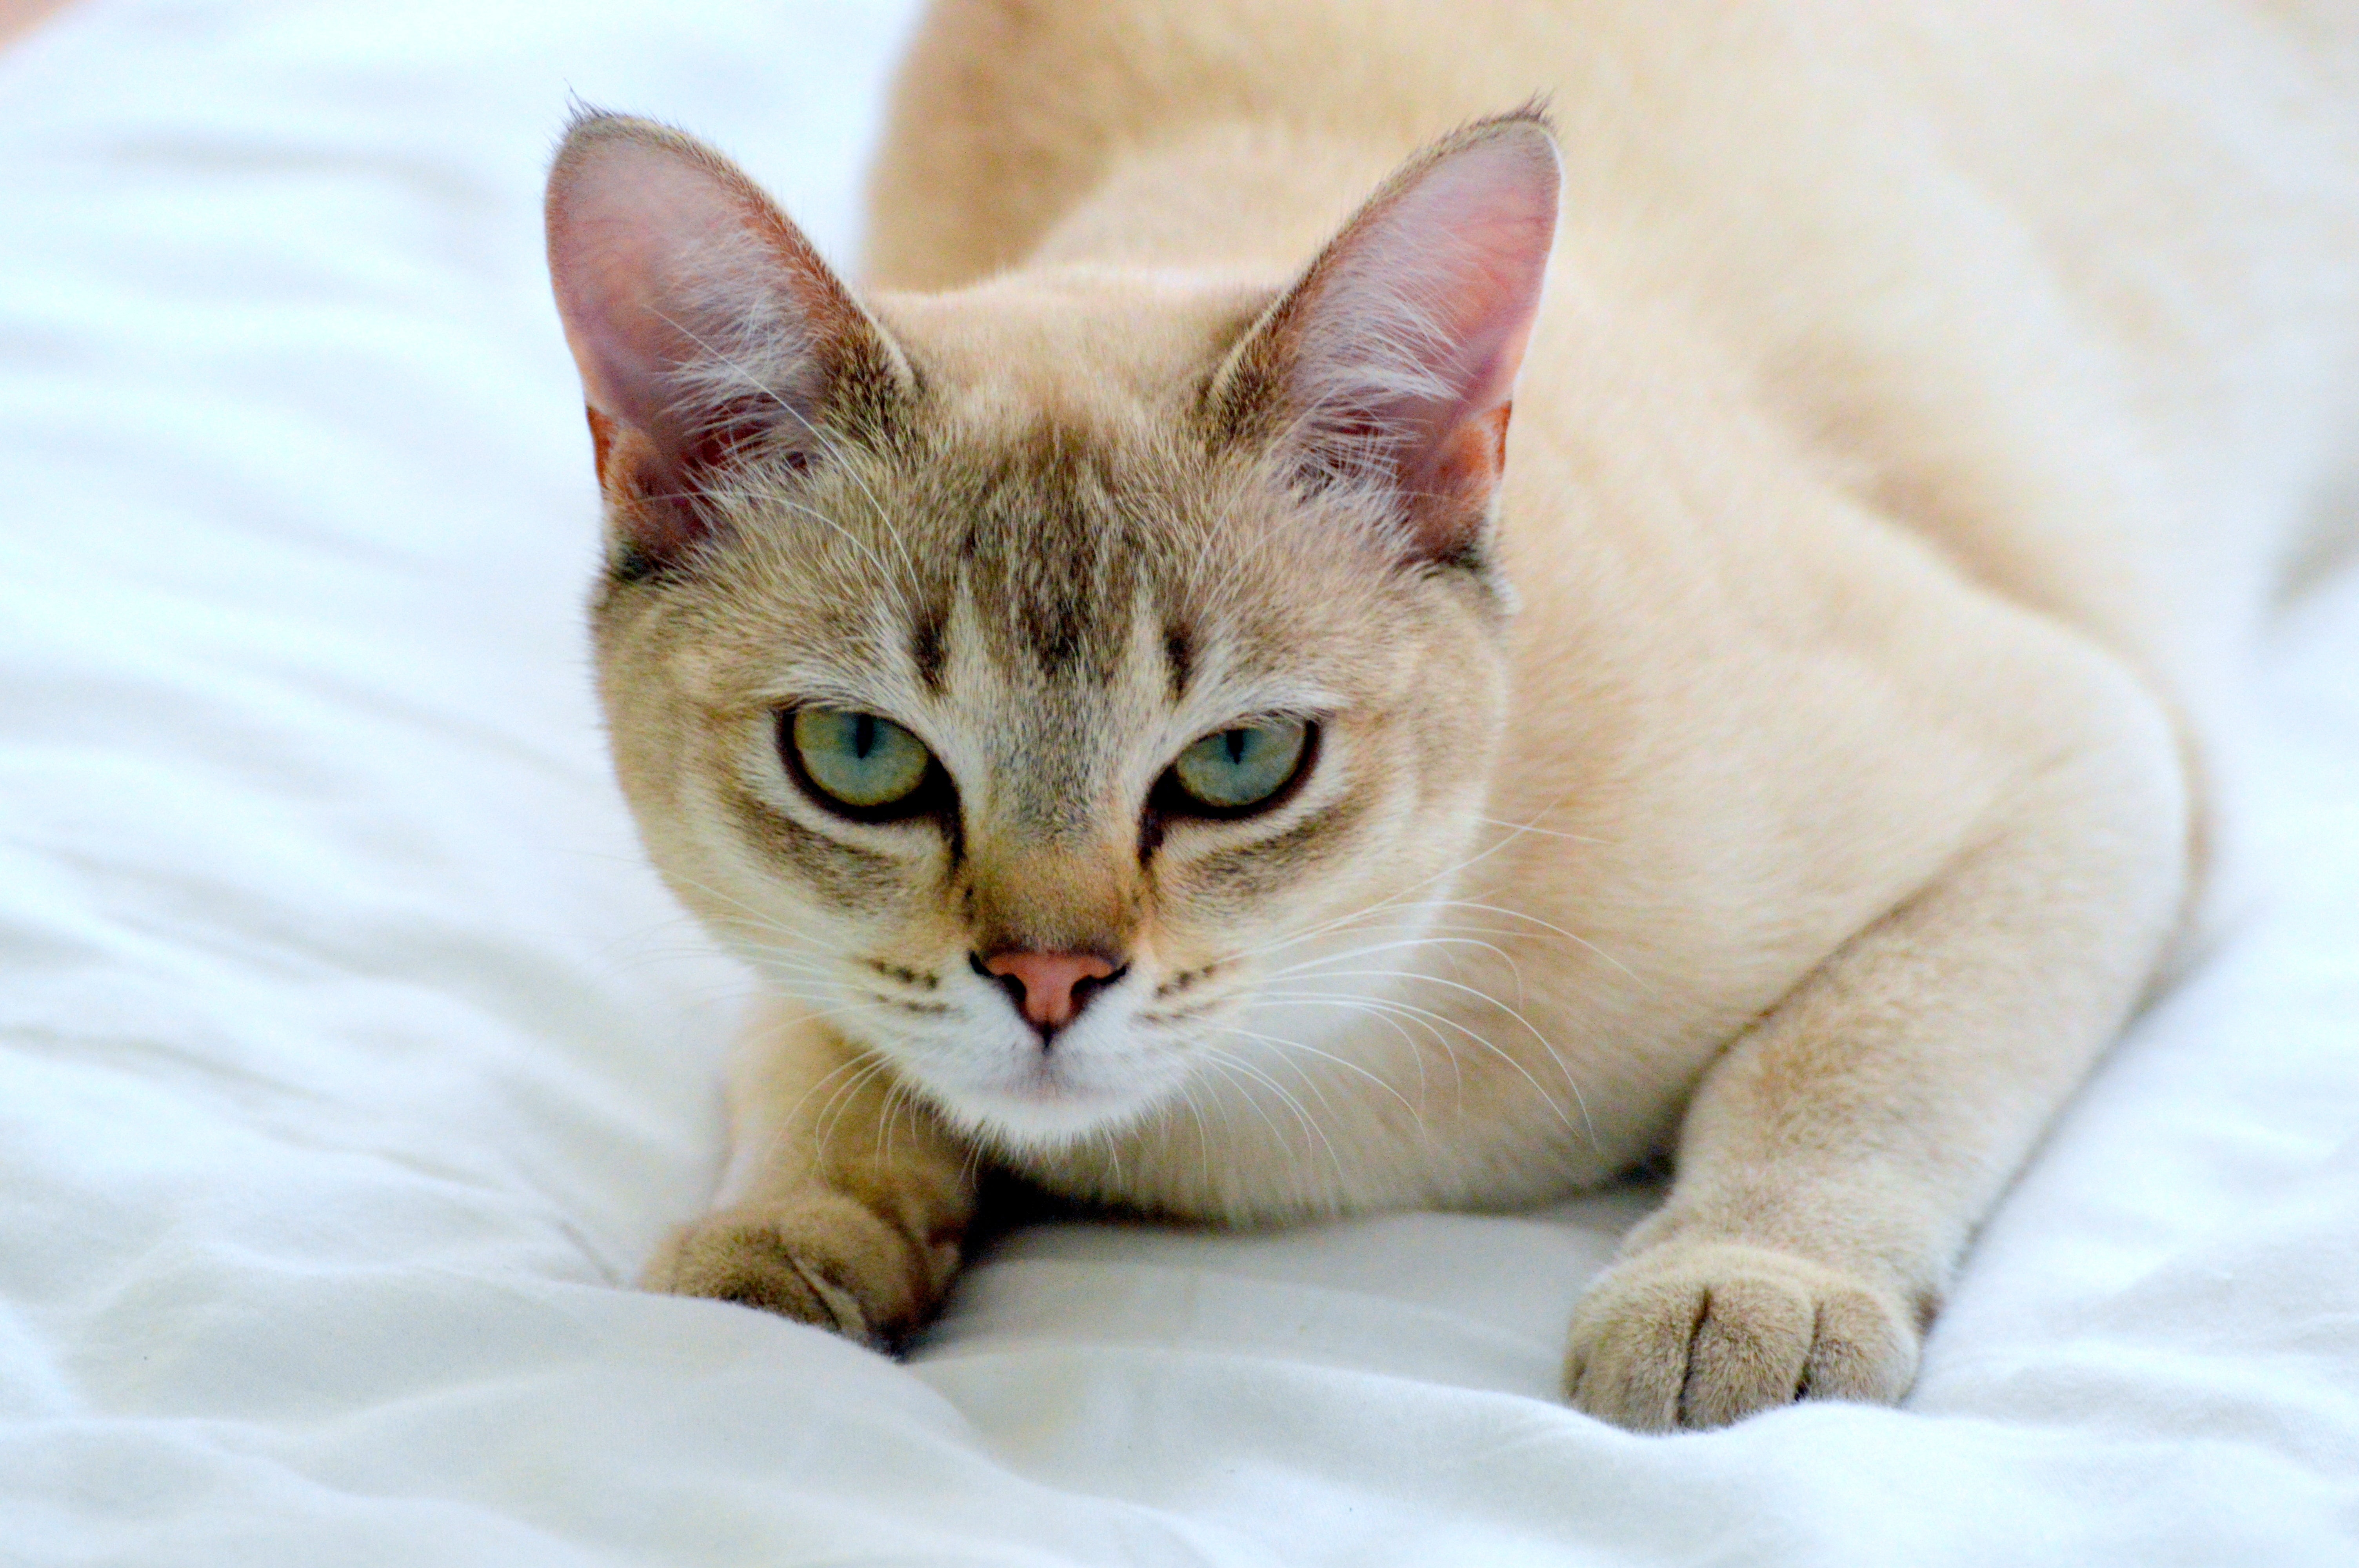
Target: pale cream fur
1928	400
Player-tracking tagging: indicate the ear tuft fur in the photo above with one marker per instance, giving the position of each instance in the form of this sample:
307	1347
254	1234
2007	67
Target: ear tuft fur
706	328
1390	367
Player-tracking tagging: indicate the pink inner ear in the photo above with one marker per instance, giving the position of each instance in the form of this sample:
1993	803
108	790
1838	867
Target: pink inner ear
631	227
702	320
1417	318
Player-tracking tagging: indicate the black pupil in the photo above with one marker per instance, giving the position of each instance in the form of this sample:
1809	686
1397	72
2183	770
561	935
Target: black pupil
863	735
1235	742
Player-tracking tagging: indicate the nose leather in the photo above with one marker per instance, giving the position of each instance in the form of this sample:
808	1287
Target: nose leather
1050	989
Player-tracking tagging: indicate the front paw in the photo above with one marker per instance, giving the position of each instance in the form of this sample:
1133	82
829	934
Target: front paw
1704	1334
820	1257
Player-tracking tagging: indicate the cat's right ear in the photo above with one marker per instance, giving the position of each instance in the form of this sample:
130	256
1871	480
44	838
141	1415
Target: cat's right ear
707	331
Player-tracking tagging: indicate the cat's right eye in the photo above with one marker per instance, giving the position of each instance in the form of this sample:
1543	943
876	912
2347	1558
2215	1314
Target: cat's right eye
860	765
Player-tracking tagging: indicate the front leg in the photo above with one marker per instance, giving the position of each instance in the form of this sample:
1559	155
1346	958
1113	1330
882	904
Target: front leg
845	1200
1837	1158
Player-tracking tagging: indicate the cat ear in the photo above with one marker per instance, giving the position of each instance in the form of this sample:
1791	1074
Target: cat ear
1391	364
707	330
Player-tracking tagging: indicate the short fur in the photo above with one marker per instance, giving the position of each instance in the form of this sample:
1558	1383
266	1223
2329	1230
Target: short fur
1801	763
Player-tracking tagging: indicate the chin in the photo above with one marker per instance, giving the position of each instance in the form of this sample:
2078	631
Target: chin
1043	1110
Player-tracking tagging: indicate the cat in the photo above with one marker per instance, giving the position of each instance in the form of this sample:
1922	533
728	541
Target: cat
1159	730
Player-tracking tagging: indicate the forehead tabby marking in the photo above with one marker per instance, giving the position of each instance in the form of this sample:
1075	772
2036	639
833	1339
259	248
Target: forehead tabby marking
1179	658
1059	558
928	627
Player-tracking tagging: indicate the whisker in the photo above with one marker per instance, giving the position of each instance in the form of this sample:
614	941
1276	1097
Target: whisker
1536	920
1579	1101
1221	1061
1313	965
1302	1115
1393	1014
841	1103
1543	832
1330	1057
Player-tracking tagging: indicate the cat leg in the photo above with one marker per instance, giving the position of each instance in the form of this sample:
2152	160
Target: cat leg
846	1199
1835	1160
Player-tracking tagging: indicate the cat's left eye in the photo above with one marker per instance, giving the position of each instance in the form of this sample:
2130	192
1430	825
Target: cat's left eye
861	764
1238	771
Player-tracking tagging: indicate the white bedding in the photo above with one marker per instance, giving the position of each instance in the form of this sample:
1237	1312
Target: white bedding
350	1061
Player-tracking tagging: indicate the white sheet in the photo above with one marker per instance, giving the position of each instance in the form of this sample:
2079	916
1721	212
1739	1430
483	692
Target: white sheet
349	1061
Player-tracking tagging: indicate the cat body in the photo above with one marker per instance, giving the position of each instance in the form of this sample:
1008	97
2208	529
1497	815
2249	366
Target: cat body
1759	669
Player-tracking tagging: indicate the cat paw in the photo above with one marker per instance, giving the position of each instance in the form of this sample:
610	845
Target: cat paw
1702	1334
820	1257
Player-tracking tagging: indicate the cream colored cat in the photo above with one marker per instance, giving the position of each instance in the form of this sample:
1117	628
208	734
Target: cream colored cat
1156	731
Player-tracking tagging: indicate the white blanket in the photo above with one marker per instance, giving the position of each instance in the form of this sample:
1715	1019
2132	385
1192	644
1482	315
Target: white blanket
350	1061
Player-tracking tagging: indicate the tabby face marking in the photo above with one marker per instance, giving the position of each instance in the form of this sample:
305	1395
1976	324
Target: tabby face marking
1051	704
1087	615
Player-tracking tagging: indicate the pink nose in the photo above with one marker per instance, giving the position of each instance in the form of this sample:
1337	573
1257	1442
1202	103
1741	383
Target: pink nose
1050	986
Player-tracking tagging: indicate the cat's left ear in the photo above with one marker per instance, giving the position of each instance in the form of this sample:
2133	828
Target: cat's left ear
706	328
1390	365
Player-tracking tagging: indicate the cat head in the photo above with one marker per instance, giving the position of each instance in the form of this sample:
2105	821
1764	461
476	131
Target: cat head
1040	680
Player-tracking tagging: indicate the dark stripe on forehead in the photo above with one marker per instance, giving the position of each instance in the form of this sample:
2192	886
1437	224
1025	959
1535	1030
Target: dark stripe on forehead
1058	558
1059	610
1179	656
927	652
1056	624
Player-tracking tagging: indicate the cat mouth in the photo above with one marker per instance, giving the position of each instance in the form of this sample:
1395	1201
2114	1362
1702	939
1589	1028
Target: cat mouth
1045	1102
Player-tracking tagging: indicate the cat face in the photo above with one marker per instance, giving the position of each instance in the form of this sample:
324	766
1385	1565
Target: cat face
1035	679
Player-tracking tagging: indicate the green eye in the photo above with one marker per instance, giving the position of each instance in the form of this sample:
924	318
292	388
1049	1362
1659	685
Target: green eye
1232	771
857	761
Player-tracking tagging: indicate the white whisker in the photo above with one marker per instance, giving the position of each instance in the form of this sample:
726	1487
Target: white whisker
1330	1057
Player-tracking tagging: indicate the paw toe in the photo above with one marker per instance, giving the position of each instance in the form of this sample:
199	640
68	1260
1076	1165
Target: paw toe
1860	1350
828	1262
1704	1336
1751	1345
